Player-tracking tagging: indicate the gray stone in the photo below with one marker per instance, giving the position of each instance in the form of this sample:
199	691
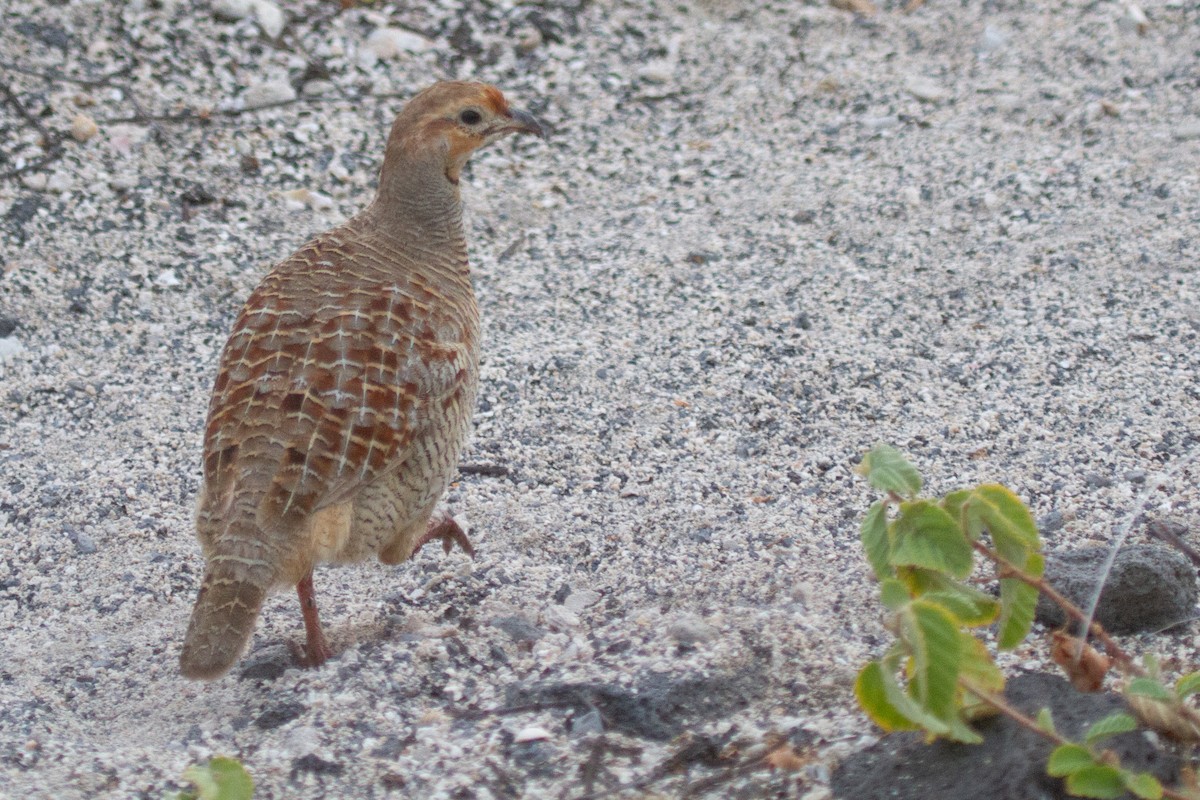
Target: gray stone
1151	587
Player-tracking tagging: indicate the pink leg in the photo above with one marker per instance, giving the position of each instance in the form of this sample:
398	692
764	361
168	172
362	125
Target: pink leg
445	528
316	651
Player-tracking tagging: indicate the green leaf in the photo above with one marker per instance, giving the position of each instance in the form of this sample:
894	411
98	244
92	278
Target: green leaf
1098	781
933	639
888	706
924	535
953	504
1148	687
961	731
888	471
1117	722
875	540
976	665
968	610
1018	601
1013	530
1045	721
220	779
1142	784
894	594
1188	684
1068	759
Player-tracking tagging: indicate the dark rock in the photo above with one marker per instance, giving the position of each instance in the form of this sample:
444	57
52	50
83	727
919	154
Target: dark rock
317	765
267	664
1011	762
49	35
1050	522
659	708
84	544
520	629
280	714
1151	587
7	326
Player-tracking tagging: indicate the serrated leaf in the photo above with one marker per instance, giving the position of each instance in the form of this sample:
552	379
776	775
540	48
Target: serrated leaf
1045	721
1018	602
1148	687
1067	759
933	640
976	665
1117	722
894	594
924	535
953	504
888	706
1143	785
968	610
875	540
1099	781
1013	531
889	471
1188	685
221	779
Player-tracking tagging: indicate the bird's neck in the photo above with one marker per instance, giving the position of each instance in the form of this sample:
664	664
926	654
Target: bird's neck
417	203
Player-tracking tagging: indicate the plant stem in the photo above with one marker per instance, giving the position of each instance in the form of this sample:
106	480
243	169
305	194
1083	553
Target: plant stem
1000	704
1123	660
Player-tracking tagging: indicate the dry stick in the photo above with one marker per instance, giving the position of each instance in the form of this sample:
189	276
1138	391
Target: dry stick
1160	531
1001	705
51	143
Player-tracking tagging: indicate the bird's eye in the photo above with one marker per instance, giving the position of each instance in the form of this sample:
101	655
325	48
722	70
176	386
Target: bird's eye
470	117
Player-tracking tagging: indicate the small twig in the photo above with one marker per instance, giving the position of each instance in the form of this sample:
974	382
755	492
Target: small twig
1159	530
55	75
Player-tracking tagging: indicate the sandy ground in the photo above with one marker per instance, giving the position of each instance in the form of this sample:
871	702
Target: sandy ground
762	237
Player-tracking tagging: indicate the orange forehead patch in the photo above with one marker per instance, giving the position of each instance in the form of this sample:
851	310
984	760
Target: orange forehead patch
495	99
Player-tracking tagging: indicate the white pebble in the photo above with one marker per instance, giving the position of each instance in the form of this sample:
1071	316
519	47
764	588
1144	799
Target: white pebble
911	195
269	17
232	9
268	93
83	128
656	72
10	346
580	599
559	618
391	42
1186	131
167	278
531	734
926	90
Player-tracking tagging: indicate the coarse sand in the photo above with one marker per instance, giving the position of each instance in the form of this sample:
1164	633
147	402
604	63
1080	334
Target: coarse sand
762	237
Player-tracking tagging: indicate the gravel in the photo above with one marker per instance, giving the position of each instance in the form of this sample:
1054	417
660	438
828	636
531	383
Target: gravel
761	238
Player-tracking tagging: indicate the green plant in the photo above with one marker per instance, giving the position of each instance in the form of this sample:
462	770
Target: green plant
220	779
939	674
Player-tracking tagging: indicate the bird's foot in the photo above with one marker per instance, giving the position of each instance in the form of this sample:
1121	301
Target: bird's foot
310	654
315	651
449	531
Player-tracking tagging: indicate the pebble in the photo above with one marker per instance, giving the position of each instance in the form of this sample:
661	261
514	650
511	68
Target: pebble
580	599
10	346
559	618
690	630
911	195
167	278
528	39
1187	131
386	43
269	17
268	93
927	90
299	199
657	72
83	128
58	182
533	733
991	40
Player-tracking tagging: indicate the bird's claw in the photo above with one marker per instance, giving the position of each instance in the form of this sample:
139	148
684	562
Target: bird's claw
449	532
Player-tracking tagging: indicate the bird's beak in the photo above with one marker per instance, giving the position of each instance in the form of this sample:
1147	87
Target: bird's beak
524	122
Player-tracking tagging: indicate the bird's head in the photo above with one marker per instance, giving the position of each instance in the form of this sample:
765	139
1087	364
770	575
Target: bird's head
450	120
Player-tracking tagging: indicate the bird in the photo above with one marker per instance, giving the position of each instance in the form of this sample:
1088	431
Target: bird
344	394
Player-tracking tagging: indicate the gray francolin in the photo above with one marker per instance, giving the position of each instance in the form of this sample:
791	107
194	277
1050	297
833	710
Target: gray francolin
346	389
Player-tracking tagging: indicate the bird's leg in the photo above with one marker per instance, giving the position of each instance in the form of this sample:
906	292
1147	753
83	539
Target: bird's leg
316	651
443	526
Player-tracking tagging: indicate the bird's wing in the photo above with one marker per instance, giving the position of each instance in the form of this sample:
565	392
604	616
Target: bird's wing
325	384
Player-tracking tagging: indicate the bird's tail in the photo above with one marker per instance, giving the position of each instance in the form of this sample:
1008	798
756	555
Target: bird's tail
222	622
